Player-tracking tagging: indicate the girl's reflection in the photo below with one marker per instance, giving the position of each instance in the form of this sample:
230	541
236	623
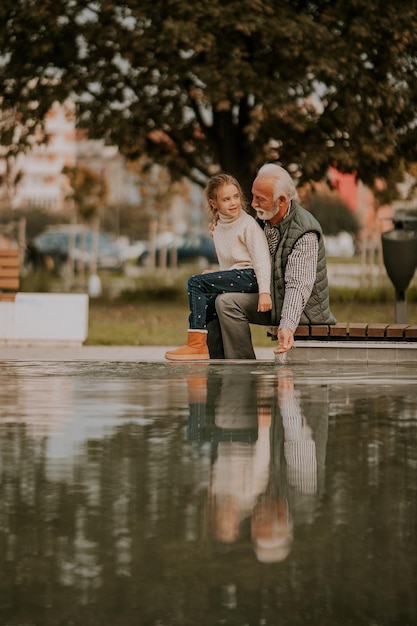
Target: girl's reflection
268	455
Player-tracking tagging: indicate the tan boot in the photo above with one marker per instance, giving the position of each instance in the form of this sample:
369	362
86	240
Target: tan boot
197	389
194	350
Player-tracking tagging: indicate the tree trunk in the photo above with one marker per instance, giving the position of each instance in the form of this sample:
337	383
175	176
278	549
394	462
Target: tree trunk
94	245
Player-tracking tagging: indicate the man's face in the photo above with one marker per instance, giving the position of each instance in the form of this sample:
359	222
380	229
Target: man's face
263	202
263	198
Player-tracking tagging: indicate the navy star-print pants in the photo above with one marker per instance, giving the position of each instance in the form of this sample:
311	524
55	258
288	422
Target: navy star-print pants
202	290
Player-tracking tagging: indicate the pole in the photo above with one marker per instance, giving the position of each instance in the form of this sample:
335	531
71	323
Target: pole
400	307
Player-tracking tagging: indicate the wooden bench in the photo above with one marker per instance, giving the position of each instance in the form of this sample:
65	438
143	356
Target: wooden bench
9	274
345	331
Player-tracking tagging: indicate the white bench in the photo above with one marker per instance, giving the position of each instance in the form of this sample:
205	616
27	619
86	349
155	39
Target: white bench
44	318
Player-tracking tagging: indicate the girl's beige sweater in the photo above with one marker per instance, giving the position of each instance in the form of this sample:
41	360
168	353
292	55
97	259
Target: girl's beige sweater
241	243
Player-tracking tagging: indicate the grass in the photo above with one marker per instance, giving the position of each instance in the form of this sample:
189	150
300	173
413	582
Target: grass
155	323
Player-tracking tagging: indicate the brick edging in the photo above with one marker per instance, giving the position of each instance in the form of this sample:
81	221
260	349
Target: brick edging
345	331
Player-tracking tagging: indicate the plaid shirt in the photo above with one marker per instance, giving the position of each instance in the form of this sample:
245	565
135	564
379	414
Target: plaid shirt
300	276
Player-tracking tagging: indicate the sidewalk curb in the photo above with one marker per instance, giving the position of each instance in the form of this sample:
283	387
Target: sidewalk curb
100	353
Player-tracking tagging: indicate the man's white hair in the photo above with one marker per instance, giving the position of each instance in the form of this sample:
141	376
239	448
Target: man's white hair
283	183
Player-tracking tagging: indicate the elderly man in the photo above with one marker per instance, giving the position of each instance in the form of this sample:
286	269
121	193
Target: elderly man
300	291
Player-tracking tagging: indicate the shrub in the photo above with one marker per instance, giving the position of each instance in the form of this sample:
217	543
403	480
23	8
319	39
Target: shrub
333	214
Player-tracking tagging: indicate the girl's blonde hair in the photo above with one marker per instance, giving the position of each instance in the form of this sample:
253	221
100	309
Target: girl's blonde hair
213	186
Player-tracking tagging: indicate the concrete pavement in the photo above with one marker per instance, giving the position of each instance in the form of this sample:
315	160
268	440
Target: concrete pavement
97	353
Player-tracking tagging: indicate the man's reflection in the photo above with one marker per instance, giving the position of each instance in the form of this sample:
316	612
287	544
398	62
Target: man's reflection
268	450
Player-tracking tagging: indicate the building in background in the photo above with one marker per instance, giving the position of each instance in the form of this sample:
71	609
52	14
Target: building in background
42	182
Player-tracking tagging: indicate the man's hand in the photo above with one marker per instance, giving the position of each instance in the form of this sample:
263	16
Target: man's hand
285	340
285	381
264	302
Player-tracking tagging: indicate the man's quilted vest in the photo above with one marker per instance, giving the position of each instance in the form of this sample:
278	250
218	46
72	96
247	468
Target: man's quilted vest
296	224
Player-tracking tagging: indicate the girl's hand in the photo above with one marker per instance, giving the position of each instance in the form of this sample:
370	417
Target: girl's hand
264	302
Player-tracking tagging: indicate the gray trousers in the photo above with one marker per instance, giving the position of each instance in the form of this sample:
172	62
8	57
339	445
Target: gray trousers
229	335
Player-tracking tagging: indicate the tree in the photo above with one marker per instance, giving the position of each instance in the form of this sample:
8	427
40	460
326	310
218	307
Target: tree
88	191
88	194
226	84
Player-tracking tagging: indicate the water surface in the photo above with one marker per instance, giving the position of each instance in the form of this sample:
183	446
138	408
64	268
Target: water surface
242	494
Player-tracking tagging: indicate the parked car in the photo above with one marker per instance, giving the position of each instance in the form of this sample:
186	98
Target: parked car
197	249
55	244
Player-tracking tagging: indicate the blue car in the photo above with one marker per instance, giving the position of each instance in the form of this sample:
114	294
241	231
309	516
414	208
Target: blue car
55	244
197	249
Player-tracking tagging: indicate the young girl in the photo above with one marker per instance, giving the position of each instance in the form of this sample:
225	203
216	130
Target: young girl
244	263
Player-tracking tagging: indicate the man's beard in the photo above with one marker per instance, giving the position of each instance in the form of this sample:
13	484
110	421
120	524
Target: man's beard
266	215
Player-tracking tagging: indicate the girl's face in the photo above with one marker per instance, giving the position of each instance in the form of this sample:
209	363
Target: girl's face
228	201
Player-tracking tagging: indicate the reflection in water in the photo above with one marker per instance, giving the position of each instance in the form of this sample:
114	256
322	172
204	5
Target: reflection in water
168	494
265	455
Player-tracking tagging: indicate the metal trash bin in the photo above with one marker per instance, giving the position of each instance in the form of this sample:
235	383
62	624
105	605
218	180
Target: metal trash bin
399	248
404	218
